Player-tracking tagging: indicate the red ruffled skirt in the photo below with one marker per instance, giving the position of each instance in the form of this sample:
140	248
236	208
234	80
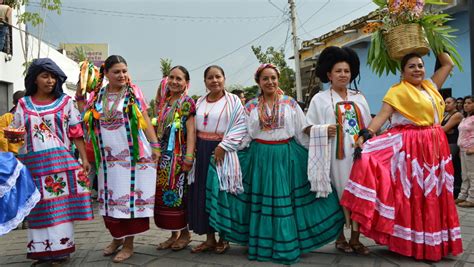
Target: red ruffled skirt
401	193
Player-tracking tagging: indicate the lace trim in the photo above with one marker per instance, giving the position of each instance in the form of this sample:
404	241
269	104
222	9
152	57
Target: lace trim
361	191
21	214
368	194
6	187
427	238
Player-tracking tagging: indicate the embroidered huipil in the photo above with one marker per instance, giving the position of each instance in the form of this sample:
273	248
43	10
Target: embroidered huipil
64	187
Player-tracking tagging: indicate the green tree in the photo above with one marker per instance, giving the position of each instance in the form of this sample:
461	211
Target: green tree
151	109
277	58
165	66
251	91
36	19
79	54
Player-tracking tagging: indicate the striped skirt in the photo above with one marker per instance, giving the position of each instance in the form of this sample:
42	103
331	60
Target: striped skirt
277	216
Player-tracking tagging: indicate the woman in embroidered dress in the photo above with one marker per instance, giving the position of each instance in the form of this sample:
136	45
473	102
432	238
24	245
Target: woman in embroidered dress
275	213
220	125
401	190
466	144
176	134
336	115
124	145
52	124
450	123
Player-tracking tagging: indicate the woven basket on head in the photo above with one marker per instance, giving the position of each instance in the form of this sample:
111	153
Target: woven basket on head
405	39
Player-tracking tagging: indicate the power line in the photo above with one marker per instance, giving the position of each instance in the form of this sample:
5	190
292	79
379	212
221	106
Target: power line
281	10
128	14
301	24
240	47
343	16
228	54
314	14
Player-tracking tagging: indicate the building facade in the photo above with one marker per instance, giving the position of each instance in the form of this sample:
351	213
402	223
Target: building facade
12	62
357	35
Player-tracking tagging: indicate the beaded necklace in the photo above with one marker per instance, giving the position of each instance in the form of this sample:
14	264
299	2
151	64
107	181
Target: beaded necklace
111	112
268	121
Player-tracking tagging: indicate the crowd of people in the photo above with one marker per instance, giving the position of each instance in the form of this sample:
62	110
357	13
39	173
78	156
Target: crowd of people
258	172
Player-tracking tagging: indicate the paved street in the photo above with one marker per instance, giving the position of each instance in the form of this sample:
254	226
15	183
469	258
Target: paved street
92	237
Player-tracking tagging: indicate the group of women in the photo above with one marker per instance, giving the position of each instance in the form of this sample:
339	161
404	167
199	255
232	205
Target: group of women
265	175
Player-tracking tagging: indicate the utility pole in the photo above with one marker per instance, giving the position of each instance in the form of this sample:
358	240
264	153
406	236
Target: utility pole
471	37
296	48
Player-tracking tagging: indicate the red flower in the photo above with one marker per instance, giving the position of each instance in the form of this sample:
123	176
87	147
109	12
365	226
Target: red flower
81	176
347	106
43	127
49	181
57	187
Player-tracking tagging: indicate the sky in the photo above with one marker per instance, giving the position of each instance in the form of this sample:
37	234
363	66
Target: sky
194	33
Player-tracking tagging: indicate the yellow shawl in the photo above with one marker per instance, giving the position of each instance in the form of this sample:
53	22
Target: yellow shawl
412	104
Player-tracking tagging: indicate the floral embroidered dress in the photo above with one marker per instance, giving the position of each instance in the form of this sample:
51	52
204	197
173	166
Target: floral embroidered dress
126	189
172	182
64	187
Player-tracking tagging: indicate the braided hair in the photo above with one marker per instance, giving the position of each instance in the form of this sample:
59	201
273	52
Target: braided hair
332	55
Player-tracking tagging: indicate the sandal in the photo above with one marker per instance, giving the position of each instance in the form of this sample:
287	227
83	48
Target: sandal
59	262
123	255
222	247
180	244
343	246
203	247
359	248
112	248
167	244
466	204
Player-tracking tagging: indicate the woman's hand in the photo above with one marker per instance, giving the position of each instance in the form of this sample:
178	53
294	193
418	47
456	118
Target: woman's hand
219	153
360	142
86	166
470	151
186	167
155	155
332	129
78	86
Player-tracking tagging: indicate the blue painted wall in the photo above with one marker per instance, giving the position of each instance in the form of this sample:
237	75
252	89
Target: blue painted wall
374	87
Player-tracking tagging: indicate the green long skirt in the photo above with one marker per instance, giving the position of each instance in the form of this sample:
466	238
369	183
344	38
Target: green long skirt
277	216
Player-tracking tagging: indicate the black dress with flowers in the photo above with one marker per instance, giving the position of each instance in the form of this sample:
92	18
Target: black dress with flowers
172	184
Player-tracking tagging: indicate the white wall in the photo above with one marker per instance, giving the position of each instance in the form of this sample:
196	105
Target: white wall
11	71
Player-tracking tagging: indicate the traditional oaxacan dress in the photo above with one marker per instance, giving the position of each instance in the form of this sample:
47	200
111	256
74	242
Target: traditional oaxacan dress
221	123
353	114
18	192
401	190
172	183
126	171
64	187
276	216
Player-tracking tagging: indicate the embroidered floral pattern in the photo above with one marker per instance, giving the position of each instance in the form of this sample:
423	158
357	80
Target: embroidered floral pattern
54	185
171	198
83	181
41	130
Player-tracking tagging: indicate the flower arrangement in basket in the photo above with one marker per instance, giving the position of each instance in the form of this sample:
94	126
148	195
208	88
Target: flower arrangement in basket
407	27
